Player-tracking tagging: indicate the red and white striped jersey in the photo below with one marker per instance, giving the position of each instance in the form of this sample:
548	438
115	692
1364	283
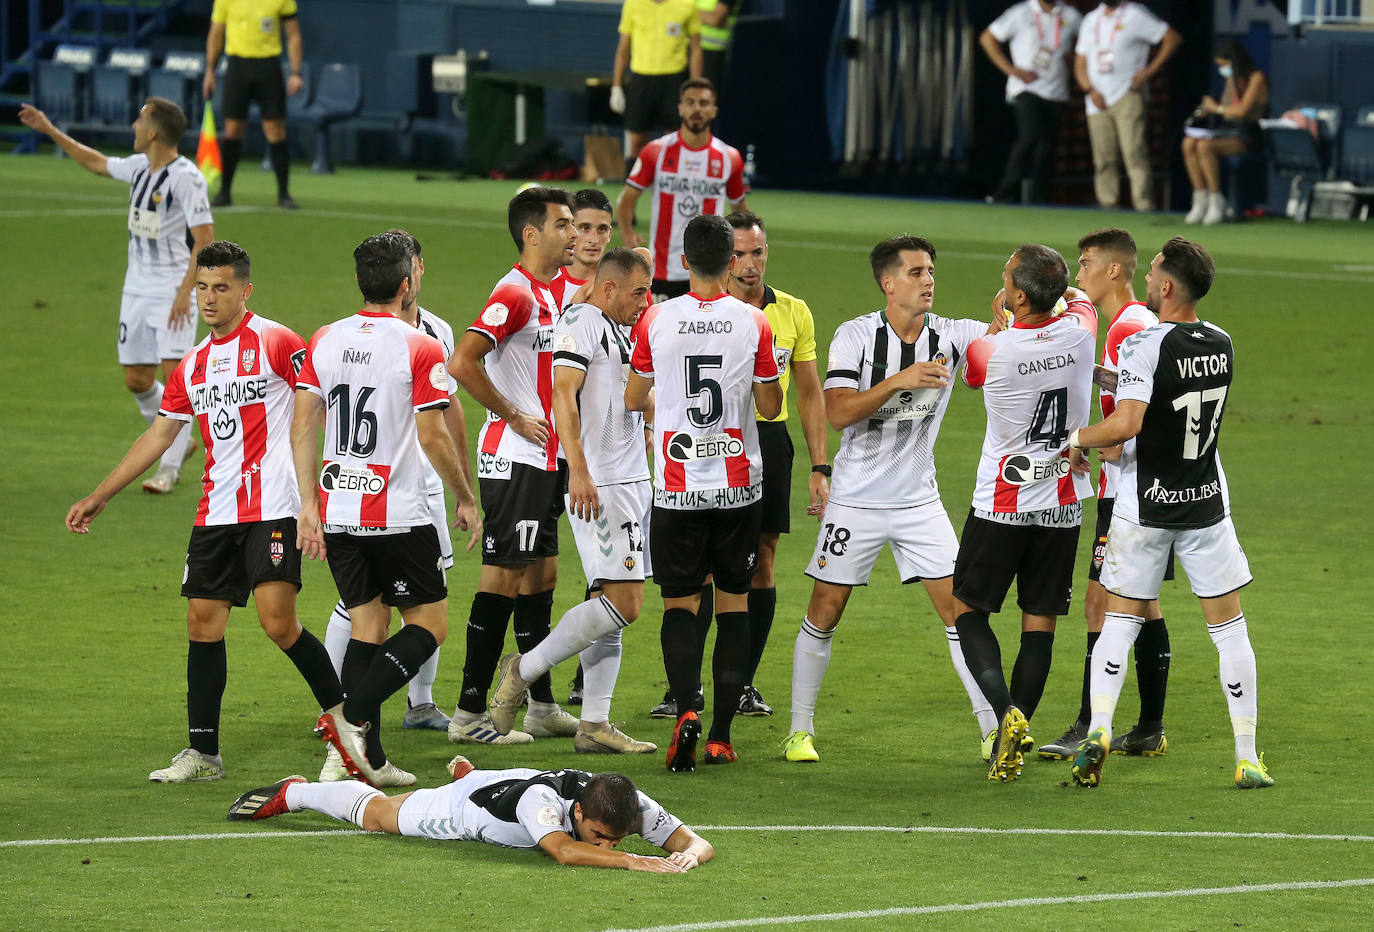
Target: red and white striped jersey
435	326
240	390
564	286
1037	388
686	183
374	371
1132	318
705	354
518	318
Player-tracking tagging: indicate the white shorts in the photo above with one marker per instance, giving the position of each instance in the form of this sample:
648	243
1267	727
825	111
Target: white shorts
922	541
144	337
438	514
1133	566
612	546
442	812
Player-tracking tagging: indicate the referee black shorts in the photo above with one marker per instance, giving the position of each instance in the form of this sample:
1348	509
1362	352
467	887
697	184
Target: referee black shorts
250	79
651	101
1104	523
775	443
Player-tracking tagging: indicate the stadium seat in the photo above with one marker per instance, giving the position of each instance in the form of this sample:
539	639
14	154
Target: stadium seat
1307	158
179	80
1247	181
1357	150
118	86
61	84
338	96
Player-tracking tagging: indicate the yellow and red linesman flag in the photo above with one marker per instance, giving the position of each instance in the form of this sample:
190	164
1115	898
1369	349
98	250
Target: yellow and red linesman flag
207	152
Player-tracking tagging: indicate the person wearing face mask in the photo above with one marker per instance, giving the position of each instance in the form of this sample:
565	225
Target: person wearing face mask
1112	65
1244	99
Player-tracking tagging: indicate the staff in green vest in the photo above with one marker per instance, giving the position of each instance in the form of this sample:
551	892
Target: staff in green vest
717	26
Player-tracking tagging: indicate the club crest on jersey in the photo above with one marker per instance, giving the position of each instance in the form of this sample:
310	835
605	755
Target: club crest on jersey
246	360
684	448
338	478
821	561
1020	469
940	358
276	549
629	562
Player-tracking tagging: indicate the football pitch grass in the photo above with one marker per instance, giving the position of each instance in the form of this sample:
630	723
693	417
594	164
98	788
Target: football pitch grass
897	825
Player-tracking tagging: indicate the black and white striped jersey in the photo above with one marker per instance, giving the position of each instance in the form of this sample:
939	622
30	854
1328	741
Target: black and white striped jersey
163	207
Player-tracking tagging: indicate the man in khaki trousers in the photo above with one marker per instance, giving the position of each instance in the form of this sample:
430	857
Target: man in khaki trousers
1112	65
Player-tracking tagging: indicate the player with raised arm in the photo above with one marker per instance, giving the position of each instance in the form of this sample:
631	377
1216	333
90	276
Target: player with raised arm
887	388
576	817
1106	266
169	222
708	358
237	386
608	501
1036	378
379	386
505	362
1170	398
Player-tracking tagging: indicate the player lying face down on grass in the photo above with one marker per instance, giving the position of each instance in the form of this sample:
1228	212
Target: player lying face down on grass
577	817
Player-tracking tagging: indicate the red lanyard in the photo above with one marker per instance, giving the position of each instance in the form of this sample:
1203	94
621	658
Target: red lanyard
1058	24
1116	26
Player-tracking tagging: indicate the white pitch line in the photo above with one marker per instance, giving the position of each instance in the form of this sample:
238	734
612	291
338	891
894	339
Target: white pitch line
1006	904
886	829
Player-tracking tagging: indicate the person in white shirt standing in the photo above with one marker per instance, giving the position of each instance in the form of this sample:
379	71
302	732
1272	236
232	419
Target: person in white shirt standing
169	222
1040	36
1112	65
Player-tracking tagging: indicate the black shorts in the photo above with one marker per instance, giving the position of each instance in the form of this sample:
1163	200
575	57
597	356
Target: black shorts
687	546
664	290
226	562
775	443
1104	522
520	514
1041	560
404	569
651	101
250	79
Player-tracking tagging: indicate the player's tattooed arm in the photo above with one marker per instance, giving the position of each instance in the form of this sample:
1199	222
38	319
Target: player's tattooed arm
1104	378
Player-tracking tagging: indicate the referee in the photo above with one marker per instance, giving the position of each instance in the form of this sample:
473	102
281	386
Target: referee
660	46
249	32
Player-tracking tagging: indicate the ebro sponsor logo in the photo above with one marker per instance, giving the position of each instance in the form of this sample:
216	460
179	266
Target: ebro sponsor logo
1027	470
337	478
683	448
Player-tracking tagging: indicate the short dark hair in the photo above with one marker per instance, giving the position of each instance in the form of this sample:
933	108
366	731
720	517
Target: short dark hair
1042	274
1117	243
591	199
703	84
612	800
1188	264
382	262
709	244
745	220
622	261
528	209
221	254
414	243
884	256
168	119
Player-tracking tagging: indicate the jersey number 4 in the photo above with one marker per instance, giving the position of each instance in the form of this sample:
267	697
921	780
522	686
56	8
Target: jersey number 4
1048	426
1194	446
357	426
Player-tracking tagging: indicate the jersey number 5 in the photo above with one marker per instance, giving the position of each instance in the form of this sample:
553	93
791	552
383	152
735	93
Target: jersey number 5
705	393
357	426
1192	402
1048	424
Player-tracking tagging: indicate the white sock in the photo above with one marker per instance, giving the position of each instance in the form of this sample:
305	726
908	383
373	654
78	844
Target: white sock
1109	667
176	453
810	658
421	689
149	402
600	670
464	717
337	635
540	709
345	800
1240	682
982	709
580	626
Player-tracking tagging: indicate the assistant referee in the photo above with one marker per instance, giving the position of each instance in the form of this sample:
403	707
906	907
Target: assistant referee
249	32
659	48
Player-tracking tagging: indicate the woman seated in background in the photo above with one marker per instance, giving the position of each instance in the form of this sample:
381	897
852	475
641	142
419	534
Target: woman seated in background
1243	101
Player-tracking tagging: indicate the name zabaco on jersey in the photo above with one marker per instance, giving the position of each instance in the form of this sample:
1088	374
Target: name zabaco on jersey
705	326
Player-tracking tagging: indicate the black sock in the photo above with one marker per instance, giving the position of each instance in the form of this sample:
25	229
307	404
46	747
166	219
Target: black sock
702	623
393	664
681	656
728	666
229	152
1031	670
207	670
984	658
532	617
280	154
1152	655
577	677
1085	704
313	662
486	636
763	603
358	657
